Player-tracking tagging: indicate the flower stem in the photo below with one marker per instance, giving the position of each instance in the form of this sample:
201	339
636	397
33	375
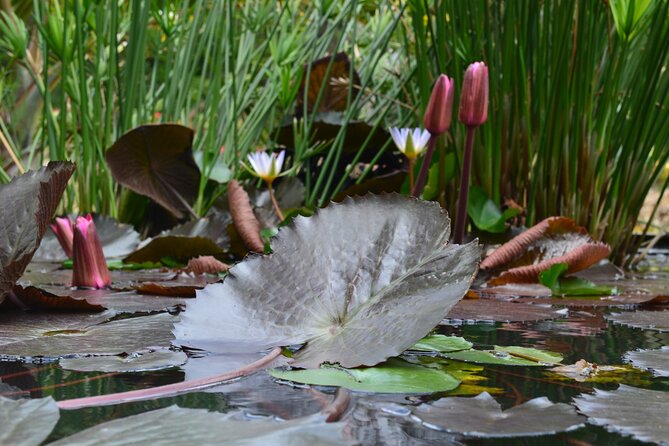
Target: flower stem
425	167
412	162
461	216
277	210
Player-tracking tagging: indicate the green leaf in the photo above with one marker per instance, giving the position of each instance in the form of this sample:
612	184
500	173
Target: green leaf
432	185
518	356
627	14
571	286
348	299
393	376
485	214
441	343
219	172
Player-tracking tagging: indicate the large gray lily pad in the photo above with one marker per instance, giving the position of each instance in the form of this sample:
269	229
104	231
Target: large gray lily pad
629	410
483	417
27	422
48	337
646	320
135	362
343	281
655	360
175	426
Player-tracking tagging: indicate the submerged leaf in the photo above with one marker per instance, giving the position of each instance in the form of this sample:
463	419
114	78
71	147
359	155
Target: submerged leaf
393	376
629	410
157	161
346	299
28	203
135	362
27	422
583	370
553	240
176	426
655	360
483	417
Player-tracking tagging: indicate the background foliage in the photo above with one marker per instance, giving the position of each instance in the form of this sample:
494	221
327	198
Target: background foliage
578	122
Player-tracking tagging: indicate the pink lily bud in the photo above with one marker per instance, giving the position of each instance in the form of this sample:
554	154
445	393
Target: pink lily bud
62	227
474	96
438	113
89	264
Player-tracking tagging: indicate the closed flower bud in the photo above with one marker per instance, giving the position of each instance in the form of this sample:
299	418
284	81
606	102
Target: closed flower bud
474	97
438	113
62	227
89	264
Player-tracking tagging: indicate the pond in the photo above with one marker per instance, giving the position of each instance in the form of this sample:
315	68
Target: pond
576	331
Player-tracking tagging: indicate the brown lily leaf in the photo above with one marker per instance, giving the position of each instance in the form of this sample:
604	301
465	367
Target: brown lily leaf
500	311
162	289
28	203
206	265
174	246
34	298
335	84
553	240
244	219
157	161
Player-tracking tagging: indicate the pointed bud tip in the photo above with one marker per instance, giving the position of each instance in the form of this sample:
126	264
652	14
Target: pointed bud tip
439	109
474	98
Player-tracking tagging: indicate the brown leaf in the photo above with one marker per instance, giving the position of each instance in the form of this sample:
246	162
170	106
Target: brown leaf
162	289
206	265
244	219
37	299
500	311
174	246
157	161
553	240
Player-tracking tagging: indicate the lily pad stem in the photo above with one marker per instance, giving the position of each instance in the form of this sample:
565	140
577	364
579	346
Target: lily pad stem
277	209
461	216
170	389
425	167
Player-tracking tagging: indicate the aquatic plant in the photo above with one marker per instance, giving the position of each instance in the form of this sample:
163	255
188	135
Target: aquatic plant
89	265
268	168
411	142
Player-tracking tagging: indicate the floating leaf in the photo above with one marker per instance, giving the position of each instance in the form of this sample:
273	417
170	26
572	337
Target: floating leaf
347	299
656	360
646	320
37	299
441	343
176	247
522	356
629	410
245	221
485	214
393	376
28	203
176	426
134	362
583	371
157	161
46	340
570	286
553	240
500	311
483	417
27	422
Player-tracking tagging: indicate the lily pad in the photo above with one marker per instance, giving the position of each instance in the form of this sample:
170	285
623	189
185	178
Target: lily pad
27	422
176	426
519	356
37	299
656	360
441	343
28	203
134	362
347	298
500	311
157	161
174	246
393	376
46	340
483	417
646	320
639	413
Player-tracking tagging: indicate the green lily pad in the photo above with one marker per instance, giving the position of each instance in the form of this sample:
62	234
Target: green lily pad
393	376
441	343
520	356
27	422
